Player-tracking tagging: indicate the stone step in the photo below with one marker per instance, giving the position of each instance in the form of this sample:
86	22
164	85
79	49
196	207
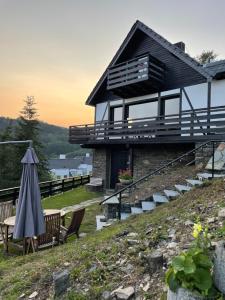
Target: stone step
194	182
148	205
159	198
171	193
100	221
205	176
136	210
112	200
182	188
124	215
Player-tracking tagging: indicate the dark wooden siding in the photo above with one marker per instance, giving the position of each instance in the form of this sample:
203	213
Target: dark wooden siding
178	74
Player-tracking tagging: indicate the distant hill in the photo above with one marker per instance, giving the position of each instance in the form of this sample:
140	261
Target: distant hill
54	138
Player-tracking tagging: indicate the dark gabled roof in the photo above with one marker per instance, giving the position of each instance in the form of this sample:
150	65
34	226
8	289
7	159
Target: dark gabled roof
216	68
164	43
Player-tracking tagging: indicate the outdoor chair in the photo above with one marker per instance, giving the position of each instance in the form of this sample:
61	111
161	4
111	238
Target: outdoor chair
51	236
74	226
6	210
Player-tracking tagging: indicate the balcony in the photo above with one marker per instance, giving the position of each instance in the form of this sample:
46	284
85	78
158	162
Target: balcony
190	126
136	77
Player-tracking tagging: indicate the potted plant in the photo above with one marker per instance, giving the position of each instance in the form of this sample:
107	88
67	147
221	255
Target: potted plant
125	176
189	276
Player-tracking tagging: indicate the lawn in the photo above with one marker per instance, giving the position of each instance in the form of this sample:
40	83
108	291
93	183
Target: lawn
73	197
69	198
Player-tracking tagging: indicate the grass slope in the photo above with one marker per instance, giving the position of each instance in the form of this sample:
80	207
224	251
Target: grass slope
95	262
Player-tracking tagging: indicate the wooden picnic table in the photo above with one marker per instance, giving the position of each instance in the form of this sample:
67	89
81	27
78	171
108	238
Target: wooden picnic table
10	222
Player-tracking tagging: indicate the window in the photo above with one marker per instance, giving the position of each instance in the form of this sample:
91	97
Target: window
143	110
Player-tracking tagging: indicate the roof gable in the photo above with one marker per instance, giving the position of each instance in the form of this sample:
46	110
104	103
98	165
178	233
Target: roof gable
173	49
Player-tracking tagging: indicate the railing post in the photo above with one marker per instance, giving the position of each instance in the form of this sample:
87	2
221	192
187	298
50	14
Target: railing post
14	196
213	159
63	181
73	183
81	180
119	208
50	188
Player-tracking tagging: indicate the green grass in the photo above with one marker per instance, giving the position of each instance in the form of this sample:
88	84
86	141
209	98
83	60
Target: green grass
69	198
34	272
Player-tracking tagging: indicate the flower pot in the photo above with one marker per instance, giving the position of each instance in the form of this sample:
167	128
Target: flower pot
125	181
182	294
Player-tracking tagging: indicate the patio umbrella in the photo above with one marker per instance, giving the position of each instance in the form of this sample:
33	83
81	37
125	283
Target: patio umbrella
29	213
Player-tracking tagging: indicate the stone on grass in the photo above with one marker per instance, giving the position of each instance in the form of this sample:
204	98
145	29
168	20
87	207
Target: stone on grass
219	266
123	293
106	295
221	214
82	234
172	245
189	223
132	234
146	287
211	220
154	261
33	295
60	282
133	242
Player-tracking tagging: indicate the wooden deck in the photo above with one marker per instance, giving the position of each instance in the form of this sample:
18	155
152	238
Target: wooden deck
190	126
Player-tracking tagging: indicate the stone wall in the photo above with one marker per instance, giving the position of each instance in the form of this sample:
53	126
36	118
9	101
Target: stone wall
99	163
151	157
203	155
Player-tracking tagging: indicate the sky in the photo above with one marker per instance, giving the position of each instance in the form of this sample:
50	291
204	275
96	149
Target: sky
56	50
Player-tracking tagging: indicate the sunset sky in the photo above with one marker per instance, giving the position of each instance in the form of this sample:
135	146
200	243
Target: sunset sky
56	50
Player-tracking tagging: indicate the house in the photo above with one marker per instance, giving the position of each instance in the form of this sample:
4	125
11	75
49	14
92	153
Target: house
153	103
63	167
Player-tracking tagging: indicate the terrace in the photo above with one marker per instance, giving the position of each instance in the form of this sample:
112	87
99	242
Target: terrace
188	126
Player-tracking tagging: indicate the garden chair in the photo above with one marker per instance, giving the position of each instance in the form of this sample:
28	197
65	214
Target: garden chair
51	236
74	226
6	210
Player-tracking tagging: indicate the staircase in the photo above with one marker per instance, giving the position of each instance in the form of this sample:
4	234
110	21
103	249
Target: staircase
161	186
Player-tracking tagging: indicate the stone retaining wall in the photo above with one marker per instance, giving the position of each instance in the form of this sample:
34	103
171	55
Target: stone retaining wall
151	157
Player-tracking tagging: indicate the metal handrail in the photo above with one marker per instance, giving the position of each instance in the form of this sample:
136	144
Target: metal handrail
162	168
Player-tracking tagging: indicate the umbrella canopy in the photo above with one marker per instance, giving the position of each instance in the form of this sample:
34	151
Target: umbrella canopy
29	213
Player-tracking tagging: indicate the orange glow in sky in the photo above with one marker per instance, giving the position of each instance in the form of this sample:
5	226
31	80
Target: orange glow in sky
57	50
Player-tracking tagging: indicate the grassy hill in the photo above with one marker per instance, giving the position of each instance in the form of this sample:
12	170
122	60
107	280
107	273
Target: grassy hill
54	138
103	261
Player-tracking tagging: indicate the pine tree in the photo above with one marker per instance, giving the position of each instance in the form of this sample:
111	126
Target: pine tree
7	159
28	128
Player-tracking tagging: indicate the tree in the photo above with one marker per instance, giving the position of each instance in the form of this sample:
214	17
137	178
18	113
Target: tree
7	159
28	128
206	57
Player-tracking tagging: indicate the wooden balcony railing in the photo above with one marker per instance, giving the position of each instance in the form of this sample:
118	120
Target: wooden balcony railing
189	126
140	69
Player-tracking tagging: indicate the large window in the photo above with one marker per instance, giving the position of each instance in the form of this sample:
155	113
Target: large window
143	110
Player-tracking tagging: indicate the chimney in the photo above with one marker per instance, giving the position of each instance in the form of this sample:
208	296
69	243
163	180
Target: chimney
180	45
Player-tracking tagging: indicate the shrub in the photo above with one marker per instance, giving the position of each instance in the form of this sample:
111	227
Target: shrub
192	269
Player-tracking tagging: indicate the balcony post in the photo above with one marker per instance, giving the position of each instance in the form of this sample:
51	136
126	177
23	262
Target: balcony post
209	105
